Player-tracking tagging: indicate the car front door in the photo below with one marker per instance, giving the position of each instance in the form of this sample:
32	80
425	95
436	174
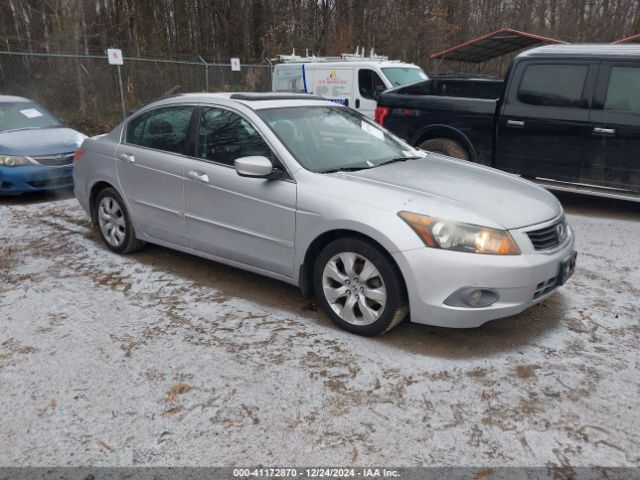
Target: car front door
544	122
613	159
150	171
367	83
246	220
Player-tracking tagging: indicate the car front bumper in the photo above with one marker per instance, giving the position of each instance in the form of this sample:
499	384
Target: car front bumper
432	275
23	179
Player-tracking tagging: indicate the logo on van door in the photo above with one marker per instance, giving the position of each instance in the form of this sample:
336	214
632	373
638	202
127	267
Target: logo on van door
333	79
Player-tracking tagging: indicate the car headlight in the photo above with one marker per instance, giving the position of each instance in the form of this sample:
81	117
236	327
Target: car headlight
463	237
13	161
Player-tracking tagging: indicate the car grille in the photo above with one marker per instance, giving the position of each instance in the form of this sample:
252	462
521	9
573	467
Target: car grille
549	237
55	160
545	287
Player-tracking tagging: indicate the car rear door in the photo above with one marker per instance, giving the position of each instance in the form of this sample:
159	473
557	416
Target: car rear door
247	220
613	156
544	121
149	168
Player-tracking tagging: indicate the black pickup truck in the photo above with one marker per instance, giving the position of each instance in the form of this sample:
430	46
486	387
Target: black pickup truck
566	115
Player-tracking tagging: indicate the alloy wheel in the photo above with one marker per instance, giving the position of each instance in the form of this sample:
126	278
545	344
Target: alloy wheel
354	288
112	221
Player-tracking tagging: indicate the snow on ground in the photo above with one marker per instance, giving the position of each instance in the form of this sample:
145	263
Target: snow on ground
161	358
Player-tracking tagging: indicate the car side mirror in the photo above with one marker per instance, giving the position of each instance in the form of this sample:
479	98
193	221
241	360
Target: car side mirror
255	166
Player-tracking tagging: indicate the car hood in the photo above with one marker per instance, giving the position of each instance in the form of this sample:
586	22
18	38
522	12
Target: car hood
440	186
40	141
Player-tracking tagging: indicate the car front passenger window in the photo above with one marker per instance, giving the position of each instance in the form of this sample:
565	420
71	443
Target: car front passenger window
224	136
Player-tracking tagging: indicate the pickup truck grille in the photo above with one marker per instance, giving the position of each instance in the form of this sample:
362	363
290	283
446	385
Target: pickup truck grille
549	237
55	160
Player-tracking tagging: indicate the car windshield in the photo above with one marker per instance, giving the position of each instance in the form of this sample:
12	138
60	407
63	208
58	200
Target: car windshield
403	76
25	115
325	139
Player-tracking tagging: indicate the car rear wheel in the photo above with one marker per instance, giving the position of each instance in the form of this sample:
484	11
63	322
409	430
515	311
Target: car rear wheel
359	287
114	225
447	147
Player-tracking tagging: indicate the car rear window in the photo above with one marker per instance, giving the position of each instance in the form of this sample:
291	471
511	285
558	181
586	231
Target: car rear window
161	129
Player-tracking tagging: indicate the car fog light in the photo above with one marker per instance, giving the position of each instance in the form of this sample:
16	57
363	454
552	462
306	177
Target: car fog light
472	297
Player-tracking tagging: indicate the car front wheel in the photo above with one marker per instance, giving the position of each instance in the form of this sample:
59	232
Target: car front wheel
359	287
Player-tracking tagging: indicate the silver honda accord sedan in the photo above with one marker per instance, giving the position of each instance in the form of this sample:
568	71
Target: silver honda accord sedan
314	194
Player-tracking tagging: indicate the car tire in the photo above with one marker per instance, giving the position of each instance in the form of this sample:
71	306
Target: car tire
447	147
359	287
111	217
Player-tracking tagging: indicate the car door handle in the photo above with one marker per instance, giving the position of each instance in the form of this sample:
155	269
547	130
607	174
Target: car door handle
128	157
357	103
203	177
604	131
515	123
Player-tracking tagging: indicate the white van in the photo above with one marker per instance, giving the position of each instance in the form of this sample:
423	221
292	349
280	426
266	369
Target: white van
351	79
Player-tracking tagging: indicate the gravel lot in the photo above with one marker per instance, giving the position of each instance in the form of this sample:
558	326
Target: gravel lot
161	358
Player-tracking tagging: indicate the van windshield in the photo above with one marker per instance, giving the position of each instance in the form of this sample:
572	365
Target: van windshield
402	76
325	139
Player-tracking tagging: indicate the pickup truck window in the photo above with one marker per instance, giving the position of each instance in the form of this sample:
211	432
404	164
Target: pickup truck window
553	85
623	92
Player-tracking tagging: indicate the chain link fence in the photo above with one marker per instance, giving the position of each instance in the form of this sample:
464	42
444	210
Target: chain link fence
84	89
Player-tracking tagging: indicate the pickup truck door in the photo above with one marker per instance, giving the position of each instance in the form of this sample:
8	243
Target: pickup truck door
613	157
543	125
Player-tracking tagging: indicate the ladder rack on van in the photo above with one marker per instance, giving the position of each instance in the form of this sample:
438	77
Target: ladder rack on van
359	56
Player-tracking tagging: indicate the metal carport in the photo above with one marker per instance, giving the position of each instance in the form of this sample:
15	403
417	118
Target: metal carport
492	45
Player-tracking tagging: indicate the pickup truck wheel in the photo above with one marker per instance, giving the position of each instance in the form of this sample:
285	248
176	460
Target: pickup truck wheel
447	147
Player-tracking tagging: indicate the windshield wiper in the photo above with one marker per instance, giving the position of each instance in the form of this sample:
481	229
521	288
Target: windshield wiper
397	159
346	169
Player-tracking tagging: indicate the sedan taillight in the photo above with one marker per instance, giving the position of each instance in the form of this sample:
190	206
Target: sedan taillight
78	153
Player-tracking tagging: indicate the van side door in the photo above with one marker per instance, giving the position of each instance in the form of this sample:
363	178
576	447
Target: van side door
613	158
333	83
366	82
544	121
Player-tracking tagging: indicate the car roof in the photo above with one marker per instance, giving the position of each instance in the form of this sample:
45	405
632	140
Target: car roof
255	100
584	50
13	99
